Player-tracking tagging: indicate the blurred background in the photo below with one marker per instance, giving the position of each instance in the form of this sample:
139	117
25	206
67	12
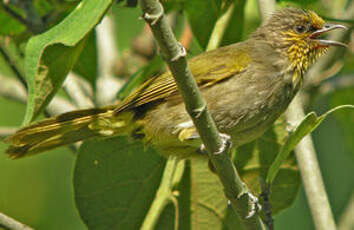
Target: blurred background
38	190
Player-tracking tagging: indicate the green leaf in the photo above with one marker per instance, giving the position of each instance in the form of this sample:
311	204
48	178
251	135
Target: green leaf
201	202
140	76
307	125
51	55
202	15
86	65
115	181
346	119
234	30
254	159
173	5
9	26
127	25
208	204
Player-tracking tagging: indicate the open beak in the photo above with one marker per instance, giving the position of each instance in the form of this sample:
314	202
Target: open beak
326	28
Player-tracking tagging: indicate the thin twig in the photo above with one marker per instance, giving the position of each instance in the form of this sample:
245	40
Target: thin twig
220	27
164	195
13	14
13	89
216	145
76	92
7	131
336	84
59	105
266	8
10	53
12	224
107	84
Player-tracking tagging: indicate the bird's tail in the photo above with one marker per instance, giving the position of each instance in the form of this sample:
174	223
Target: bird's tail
68	128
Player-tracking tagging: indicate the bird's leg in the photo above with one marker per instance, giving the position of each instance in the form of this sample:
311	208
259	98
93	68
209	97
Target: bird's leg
267	209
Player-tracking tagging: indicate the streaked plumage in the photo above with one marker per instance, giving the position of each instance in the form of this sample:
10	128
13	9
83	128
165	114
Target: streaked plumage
247	86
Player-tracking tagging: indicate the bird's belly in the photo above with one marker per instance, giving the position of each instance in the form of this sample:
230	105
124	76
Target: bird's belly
245	117
250	114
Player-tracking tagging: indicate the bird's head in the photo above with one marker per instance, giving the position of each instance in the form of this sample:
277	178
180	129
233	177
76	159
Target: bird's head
295	33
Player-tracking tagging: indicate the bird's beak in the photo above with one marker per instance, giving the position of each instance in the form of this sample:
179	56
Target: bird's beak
326	28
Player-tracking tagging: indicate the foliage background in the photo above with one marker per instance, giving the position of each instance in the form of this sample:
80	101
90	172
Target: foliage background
38	190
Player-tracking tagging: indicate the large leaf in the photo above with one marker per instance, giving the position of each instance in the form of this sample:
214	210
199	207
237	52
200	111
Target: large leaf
254	159
86	65
209	206
115	181
127	25
307	125
234	30
201	25
346	119
51	55
201	202
140	76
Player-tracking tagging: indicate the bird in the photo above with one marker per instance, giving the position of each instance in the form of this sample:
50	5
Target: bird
247	86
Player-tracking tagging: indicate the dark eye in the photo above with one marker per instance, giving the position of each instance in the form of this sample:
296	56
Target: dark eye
313	29
300	29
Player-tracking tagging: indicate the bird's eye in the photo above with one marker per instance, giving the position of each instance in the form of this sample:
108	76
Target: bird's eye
313	29
300	29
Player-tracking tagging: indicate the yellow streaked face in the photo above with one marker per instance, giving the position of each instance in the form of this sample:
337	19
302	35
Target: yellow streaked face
302	38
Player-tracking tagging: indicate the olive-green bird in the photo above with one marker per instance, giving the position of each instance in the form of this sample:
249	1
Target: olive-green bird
247	86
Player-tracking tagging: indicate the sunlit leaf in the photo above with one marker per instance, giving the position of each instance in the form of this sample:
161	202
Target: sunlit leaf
86	65
202	12
307	125
51	55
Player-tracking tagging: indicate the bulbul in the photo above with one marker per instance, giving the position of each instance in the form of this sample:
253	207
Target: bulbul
246	85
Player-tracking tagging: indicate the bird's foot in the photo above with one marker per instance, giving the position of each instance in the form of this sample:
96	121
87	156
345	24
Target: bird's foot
254	205
225	144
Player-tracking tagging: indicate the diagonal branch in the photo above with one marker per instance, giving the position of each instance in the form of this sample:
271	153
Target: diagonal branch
216	144
9	223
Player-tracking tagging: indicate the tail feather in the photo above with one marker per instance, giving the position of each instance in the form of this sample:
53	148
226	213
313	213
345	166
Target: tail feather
66	129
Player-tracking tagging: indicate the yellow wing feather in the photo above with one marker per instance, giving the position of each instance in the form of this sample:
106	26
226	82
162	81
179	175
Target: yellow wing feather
207	68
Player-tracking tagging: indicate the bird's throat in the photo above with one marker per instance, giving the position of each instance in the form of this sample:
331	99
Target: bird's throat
301	56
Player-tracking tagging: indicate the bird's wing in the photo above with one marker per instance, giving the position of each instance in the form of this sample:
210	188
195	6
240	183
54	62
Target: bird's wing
207	68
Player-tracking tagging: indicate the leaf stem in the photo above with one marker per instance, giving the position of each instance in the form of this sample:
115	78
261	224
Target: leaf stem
164	195
12	224
220	27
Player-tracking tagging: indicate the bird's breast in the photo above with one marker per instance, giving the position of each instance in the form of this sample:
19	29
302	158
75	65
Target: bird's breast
249	109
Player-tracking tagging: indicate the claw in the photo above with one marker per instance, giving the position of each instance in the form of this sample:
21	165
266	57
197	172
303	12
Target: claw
254	204
226	143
